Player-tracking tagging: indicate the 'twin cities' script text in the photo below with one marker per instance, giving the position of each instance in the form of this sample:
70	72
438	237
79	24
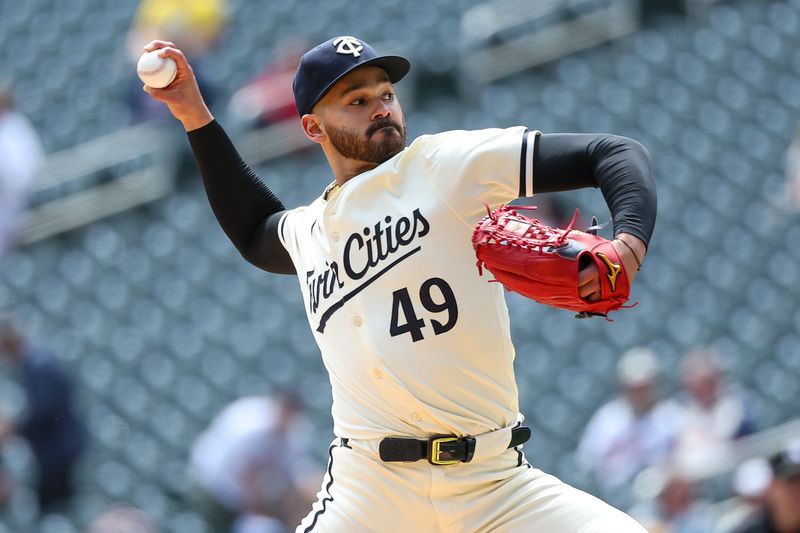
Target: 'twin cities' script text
365	250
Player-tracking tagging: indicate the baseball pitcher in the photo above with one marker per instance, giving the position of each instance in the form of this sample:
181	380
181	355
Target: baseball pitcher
416	342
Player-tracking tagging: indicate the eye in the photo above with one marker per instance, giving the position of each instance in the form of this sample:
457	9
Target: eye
357	101
388	96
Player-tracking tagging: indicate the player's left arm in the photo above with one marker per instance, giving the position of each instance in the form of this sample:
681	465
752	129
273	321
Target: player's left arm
620	167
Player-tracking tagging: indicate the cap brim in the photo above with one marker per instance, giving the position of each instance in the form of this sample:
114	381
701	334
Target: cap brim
395	66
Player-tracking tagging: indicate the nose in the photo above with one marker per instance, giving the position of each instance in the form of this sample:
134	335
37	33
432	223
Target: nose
381	111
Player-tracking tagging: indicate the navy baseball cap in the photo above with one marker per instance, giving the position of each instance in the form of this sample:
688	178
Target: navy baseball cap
322	66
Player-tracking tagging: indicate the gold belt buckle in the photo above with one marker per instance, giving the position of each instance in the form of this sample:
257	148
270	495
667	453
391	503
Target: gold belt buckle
436	451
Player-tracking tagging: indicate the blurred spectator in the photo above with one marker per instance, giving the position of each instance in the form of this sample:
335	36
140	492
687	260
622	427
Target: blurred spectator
793	171
632	431
253	461
677	509
122	519
51	427
781	512
268	98
750	481
714	412
21	155
195	26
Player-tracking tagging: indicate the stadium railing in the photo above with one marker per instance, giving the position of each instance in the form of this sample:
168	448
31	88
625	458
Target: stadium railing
125	169
501	37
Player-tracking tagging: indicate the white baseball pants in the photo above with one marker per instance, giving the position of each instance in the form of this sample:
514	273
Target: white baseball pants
500	493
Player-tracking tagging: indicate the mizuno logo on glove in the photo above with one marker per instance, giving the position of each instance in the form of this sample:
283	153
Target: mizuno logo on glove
613	271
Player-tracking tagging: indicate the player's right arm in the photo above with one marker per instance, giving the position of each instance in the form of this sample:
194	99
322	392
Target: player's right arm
244	206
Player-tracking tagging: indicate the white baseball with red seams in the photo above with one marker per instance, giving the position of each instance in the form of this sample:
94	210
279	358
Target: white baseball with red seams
156	71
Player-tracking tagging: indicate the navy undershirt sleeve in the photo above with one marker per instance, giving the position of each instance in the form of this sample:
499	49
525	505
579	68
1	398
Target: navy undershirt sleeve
618	165
244	206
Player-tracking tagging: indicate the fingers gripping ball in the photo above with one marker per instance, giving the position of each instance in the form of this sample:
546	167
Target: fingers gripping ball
528	257
156	71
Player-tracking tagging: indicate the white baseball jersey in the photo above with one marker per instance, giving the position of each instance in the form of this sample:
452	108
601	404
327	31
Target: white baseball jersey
415	342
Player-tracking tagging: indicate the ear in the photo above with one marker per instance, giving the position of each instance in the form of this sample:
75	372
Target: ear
312	127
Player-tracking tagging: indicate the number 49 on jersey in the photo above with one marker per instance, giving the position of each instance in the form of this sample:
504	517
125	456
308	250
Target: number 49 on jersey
436	297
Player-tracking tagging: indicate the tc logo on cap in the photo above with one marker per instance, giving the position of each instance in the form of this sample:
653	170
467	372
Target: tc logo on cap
347	45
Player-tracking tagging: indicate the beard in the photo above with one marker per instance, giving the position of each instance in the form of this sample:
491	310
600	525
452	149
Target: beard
378	145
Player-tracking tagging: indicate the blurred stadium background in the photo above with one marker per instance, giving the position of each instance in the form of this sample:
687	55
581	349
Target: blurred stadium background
123	271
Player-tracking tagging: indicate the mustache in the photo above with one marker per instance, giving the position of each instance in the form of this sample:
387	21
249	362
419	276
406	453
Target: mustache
384	123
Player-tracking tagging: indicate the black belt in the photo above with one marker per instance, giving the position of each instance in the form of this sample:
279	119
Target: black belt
442	450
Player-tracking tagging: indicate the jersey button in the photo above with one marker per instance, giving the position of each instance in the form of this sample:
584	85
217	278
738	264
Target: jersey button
357	320
416	416
376	373
335	236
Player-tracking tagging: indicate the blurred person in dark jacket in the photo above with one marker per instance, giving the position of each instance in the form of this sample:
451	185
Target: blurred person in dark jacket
50	426
781	513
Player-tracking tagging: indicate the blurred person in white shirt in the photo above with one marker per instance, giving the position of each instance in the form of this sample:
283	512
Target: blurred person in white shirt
632	431
253	460
750	482
21	156
781	508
